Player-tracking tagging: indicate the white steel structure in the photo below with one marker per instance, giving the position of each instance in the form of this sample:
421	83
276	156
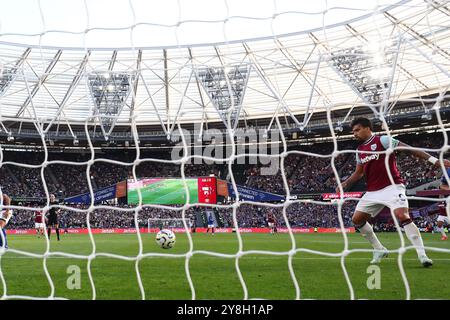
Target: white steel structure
399	52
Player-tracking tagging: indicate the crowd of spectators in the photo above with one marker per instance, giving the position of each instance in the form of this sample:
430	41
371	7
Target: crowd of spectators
248	216
299	215
314	174
99	218
305	173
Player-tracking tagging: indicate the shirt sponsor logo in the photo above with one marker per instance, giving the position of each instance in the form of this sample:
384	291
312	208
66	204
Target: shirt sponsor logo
369	158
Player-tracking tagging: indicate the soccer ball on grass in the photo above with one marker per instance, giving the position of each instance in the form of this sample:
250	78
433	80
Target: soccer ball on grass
165	238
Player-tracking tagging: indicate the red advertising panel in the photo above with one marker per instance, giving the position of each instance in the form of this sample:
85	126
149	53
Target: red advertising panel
207	190
180	230
328	196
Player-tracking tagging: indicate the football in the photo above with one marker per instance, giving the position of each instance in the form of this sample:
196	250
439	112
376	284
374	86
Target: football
165	238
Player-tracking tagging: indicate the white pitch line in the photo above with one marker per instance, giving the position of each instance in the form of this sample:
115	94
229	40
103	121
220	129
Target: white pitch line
262	257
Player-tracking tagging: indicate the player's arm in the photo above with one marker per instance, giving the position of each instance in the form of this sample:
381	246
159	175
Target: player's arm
444	183
355	177
425	156
416	153
7	213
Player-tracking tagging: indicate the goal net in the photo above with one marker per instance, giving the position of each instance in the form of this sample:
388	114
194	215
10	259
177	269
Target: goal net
156	224
259	95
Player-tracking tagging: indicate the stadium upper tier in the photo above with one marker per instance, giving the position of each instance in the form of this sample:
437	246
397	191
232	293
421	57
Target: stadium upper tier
379	60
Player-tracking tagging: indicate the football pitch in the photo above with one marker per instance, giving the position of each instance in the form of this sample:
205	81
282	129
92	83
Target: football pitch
266	276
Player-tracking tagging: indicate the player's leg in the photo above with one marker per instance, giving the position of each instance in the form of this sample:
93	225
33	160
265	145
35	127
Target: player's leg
413	234
440	227
446	224
57	231
398	202
49	231
360	221
365	209
3	239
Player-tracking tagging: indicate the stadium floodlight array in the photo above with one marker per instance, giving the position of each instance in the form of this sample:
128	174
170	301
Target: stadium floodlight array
225	87
109	91
367	70
9	73
7	76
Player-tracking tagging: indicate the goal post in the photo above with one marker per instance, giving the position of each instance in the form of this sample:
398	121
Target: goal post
156	224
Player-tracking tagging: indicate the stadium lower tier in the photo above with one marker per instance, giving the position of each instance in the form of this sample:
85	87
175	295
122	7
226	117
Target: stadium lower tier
299	215
305	174
266	276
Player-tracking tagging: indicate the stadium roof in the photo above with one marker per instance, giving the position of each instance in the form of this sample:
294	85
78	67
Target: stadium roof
398	53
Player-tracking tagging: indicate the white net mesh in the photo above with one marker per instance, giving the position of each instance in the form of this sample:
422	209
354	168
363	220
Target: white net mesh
382	60
155	224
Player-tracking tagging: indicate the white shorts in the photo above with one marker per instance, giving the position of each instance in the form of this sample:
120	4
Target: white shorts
393	196
271	224
443	219
39	225
4	217
210	226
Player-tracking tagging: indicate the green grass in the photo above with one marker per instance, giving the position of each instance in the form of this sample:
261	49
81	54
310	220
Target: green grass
266	276
166	191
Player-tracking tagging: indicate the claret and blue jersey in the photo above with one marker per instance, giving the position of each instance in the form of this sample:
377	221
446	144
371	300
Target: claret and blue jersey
369	155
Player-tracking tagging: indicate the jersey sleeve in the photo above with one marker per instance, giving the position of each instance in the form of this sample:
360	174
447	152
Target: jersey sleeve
443	179
358	160
384	140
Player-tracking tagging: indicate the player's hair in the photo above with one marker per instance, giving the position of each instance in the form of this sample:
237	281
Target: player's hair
364	122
